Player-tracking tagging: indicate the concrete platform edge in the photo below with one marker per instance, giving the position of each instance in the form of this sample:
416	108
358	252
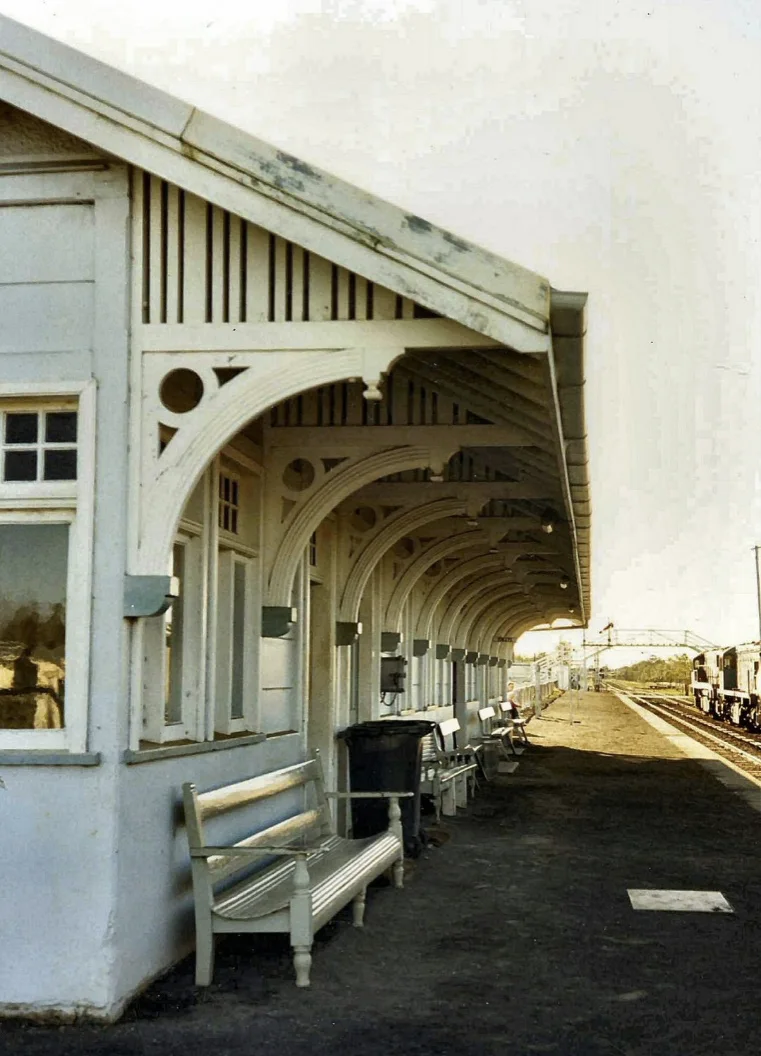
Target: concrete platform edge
730	775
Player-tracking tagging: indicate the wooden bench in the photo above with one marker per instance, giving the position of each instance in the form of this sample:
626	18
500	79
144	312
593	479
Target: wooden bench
291	876
518	715
497	734
448	772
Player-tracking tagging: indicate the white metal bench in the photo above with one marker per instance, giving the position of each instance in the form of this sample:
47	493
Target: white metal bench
314	872
448	772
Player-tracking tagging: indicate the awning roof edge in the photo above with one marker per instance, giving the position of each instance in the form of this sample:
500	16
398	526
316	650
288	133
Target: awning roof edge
569	325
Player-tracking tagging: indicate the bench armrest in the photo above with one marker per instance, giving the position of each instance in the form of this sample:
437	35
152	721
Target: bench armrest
368	795
458	753
281	851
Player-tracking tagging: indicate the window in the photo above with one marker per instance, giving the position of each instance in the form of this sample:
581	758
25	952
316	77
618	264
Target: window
33	571
203	652
229	503
45	562
235	658
38	445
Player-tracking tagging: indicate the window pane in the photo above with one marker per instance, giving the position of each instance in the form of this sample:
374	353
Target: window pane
61	465
33	567
61	427
21	428
20	465
239	640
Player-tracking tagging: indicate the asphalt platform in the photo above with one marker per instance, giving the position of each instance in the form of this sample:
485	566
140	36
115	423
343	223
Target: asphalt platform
515	935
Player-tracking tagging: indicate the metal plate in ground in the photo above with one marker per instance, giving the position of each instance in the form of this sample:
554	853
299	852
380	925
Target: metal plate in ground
680	901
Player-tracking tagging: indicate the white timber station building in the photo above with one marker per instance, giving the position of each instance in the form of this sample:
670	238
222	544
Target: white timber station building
259	433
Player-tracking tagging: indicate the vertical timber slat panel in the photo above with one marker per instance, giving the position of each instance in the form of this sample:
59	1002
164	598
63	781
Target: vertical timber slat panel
257	274
384	303
203	264
234	271
279	280
138	246
296	312
173	250
155	273
320	288
218	266
342	295
360	298
194	271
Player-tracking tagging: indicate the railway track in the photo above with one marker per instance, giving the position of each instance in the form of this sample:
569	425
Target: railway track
738	746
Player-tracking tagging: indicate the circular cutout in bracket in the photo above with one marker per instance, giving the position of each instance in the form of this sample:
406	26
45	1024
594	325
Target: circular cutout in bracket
181	390
298	475
363	518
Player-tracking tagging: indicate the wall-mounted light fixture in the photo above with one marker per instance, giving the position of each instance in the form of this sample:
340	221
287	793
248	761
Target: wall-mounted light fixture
548	522
564	583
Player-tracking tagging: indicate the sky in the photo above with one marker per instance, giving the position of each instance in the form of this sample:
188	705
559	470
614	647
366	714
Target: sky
613	147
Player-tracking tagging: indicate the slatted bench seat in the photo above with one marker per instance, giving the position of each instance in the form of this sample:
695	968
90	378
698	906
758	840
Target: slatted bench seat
448	772
291	876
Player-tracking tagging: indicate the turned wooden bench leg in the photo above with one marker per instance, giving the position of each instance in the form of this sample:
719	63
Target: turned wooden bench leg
358	908
301	921
302	962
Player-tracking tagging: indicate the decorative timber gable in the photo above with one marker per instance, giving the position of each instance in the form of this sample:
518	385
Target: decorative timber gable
259	281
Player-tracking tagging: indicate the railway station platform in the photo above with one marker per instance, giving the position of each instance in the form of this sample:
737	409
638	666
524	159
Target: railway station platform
515	935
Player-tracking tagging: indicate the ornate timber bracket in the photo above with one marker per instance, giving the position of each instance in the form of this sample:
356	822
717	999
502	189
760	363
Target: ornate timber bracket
187	404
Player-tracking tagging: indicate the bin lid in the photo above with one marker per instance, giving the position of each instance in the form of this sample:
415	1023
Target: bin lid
388	727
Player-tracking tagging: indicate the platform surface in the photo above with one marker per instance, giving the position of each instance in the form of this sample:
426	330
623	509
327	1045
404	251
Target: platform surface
516	936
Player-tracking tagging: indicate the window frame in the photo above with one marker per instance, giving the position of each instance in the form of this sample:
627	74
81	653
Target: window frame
206	694
61	502
225	722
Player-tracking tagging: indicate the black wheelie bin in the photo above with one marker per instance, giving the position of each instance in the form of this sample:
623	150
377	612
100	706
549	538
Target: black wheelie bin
385	756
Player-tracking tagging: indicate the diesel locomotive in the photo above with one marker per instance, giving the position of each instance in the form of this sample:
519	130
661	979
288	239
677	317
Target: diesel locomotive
726	683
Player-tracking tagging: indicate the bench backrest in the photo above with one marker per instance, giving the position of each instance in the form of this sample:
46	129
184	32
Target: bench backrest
486	718
508	708
448	728
312	819
435	742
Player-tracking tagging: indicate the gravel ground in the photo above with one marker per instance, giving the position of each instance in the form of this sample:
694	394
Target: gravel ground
514	936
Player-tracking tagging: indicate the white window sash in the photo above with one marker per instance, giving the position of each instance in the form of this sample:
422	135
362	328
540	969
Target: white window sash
228	562
73	735
72	503
154	666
